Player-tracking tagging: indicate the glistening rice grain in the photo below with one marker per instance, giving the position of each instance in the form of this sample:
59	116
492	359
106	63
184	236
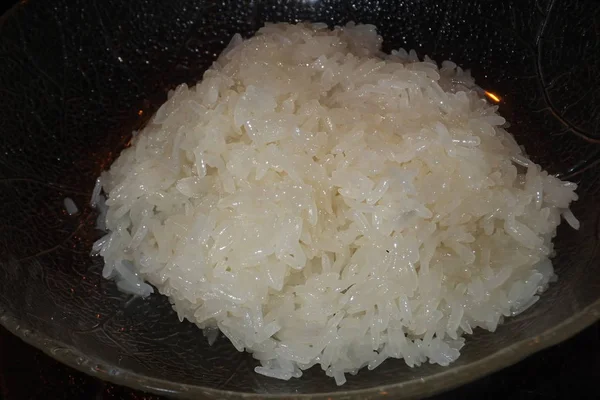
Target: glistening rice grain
70	206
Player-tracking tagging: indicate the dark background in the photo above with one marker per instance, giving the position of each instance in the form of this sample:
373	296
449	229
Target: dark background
569	370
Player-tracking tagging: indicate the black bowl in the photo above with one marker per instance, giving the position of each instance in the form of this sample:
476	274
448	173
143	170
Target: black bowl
77	77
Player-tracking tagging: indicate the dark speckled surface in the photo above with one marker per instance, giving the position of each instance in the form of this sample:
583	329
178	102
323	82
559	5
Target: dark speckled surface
77	76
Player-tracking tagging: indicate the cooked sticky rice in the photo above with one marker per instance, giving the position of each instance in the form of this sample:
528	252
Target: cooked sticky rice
321	202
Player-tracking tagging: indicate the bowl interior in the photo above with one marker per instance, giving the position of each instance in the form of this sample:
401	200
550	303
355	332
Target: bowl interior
76	80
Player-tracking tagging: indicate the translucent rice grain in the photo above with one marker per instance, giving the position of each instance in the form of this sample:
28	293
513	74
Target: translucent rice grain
70	206
339	377
570	218
273	373
211	335
96	192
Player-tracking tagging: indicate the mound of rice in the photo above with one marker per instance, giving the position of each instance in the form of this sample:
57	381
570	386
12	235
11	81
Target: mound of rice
321	202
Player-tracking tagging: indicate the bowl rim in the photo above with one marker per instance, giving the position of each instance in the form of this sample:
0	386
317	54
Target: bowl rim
412	389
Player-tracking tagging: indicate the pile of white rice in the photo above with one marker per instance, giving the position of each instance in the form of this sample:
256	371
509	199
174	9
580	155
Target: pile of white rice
321	202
